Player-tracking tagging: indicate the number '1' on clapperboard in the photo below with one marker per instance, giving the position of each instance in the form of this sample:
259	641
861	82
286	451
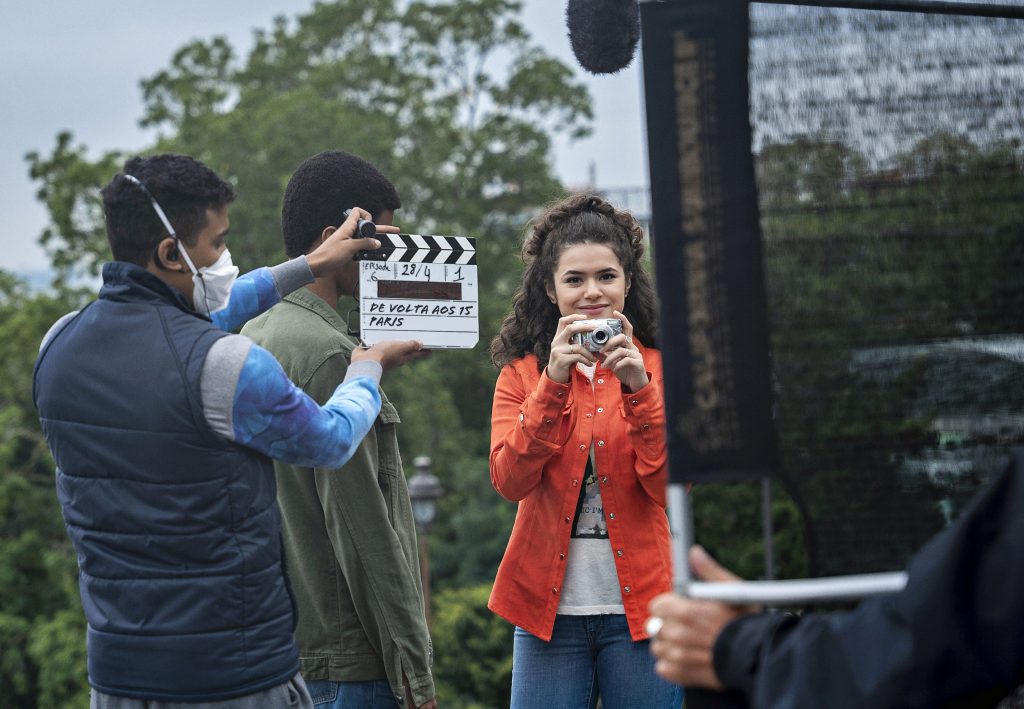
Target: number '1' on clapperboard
419	287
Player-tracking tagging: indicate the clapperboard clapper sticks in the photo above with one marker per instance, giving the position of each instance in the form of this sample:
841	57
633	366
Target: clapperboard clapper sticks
419	287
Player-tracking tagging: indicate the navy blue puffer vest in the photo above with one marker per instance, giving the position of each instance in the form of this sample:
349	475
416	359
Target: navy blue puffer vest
176	529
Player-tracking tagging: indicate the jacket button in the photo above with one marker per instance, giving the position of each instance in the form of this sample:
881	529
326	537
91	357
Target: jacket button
522	416
600	381
604	479
567	520
634	402
645	427
547	422
588	416
618	553
582	447
611	515
561	555
600	409
554	591
575	483
560	394
600	443
627	589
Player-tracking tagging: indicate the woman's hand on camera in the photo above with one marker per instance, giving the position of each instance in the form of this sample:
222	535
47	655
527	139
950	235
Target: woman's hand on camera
566	354
622	357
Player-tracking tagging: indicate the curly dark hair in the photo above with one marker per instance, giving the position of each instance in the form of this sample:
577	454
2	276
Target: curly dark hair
183	187
320	191
579	219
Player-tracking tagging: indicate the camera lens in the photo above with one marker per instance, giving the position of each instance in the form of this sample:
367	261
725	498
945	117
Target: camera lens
601	335
365	228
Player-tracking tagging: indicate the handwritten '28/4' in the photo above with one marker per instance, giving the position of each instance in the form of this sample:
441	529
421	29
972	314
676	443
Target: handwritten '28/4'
415	270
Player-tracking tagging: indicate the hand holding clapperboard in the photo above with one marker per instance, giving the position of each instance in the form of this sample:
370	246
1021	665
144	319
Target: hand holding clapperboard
419	287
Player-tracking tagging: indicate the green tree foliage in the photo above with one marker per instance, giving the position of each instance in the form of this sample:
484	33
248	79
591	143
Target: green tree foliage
69	187
38	594
451	100
24	319
867	269
467	546
473	650
57	648
455	103
727	522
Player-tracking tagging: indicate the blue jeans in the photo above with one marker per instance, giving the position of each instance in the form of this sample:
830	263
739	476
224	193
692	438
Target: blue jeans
588	656
375	694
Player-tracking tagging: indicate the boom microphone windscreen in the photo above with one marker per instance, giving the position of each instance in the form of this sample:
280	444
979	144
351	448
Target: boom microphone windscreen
603	33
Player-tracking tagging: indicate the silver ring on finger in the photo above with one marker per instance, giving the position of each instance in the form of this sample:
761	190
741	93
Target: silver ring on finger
653	626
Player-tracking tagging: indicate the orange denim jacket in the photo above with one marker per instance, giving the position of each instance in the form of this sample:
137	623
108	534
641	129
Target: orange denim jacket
541	433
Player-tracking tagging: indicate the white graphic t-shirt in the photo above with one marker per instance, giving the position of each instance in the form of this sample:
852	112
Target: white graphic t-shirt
591	584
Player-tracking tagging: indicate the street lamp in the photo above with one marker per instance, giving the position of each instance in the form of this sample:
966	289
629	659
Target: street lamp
424	491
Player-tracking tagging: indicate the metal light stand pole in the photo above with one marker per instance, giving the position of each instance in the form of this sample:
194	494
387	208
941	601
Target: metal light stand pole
768	528
424	491
768	593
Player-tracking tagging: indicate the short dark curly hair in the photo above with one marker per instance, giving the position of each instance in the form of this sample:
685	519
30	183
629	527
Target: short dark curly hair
183	187
320	191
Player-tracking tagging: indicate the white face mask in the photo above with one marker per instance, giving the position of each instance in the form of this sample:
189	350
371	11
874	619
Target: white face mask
212	284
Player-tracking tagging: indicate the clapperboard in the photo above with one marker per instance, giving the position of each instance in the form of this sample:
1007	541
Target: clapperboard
419	287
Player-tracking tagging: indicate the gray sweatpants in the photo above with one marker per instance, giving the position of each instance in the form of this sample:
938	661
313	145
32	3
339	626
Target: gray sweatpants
290	695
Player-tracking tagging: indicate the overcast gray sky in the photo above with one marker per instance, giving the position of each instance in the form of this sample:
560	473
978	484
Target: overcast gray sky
75	65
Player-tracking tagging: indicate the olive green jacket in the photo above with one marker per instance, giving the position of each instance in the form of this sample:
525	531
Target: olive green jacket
349	534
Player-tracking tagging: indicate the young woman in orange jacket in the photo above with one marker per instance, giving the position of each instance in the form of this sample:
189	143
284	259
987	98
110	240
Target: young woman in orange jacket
577	439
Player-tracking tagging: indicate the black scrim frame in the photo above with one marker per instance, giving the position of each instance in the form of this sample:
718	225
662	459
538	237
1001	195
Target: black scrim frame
707	241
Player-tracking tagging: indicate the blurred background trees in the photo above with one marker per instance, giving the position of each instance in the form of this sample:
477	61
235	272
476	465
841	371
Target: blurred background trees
42	630
458	107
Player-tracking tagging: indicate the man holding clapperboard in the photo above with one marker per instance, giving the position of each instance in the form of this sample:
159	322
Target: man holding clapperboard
349	533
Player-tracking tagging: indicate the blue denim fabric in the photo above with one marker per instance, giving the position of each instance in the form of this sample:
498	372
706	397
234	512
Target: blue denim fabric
588	656
375	694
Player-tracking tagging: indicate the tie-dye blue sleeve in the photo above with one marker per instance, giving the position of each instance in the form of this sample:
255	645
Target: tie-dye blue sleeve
275	417
259	290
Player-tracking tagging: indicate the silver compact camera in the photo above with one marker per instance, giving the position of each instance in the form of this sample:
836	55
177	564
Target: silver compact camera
602	331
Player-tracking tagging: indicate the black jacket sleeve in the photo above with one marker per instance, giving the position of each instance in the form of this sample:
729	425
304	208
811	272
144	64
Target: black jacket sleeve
953	637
